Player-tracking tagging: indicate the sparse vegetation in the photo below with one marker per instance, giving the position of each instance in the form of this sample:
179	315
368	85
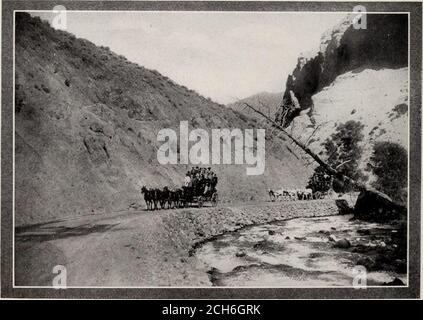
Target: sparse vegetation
389	164
343	151
398	111
320	181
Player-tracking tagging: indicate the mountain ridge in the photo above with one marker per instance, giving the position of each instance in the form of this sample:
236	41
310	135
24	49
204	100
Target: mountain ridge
267	102
86	130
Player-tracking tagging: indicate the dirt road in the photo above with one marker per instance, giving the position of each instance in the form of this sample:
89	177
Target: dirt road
126	249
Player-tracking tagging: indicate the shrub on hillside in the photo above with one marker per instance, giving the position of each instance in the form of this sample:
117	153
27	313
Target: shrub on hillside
389	164
320	181
343	152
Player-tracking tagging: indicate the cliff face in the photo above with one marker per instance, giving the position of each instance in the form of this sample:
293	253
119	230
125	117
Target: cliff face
383	44
376	98
86	130
359	75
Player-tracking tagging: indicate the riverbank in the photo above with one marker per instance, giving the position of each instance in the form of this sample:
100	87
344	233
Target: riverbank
141	248
198	226
323	251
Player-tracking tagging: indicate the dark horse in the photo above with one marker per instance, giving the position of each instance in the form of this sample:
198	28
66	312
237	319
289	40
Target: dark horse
173	199
157	195
165	198
148	197
272	195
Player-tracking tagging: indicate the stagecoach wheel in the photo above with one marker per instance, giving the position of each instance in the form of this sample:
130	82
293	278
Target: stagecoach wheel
200	202
214	199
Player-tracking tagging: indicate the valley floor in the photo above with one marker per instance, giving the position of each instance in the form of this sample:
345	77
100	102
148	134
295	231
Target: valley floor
141	248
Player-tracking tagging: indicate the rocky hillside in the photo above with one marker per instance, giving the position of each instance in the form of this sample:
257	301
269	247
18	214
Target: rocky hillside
267	102
383	44
86	130
379	100
359	75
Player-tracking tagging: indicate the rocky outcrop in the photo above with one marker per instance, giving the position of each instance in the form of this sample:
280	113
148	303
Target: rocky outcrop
359	75
371	206
383	44
378	99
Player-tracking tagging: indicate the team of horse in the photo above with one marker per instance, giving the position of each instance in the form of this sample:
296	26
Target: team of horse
165	198
294	194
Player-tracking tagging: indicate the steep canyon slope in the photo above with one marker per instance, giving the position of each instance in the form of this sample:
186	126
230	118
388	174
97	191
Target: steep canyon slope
86	130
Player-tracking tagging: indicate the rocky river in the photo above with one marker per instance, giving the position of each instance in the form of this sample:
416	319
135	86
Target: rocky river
315	252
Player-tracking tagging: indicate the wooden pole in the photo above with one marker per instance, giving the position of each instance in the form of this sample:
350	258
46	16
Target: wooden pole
331	171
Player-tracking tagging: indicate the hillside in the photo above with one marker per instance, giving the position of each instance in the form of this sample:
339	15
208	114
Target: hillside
267	102
382	45
86	130
381	106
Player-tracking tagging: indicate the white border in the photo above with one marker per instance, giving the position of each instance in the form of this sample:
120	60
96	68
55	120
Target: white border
211	287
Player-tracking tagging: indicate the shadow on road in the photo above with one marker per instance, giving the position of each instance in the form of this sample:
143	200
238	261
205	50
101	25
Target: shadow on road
60	232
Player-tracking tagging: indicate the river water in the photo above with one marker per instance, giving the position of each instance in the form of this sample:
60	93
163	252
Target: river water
297	252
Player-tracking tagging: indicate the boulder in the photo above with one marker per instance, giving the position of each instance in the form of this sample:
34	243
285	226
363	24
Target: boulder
343	206
332	238
261	245
324	232
343	243
366	262
395	282
374	206
240	254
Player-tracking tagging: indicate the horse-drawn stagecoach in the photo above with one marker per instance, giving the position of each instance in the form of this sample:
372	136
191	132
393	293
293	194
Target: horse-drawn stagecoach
210	196
191	196
199	188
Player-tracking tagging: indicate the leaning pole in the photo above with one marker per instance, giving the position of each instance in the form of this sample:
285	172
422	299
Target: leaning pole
331	171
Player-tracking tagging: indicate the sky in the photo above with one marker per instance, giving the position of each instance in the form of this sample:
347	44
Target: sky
222	55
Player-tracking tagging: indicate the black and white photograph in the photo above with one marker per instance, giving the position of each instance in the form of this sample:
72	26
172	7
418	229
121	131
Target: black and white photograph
212	147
